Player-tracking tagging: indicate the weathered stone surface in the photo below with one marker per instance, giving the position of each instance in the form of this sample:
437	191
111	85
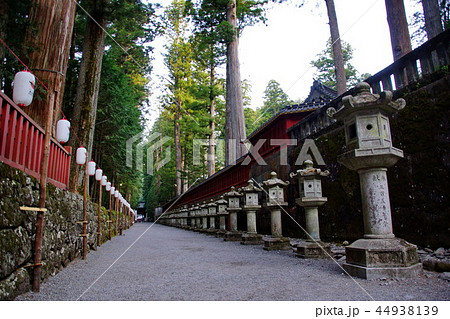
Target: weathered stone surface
276	243
15	250
61	241
16	284
311	249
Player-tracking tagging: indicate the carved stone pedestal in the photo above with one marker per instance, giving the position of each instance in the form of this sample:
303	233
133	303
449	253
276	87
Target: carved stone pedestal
251	239
311	249
233	236
277	243
377	258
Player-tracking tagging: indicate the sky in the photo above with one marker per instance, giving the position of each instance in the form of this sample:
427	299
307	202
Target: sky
292	37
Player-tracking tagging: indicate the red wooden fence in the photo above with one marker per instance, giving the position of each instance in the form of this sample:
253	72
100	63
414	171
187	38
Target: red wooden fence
22	145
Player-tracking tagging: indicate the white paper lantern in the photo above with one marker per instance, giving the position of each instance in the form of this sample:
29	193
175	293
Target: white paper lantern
23	89
62	130
116	194
113	189
98	174
91	168
108	186
81	155
104	180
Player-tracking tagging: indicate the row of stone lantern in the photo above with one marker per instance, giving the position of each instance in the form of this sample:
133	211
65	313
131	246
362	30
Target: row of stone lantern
369	152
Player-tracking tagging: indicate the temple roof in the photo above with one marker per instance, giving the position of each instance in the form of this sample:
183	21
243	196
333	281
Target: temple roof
319	96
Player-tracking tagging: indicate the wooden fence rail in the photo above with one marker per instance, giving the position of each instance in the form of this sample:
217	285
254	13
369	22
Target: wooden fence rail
22	144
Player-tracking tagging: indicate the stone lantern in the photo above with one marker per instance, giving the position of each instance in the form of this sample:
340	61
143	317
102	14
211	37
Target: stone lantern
370	153
191	219
184	217
204	215
212	207
310	191
275	202
222	213
251	237
198	220
233	197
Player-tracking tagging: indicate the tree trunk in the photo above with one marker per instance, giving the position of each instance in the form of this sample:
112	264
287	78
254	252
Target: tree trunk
50	38
341	81
212	126
398	27
3	24
234	117
431	12
85	108
177	142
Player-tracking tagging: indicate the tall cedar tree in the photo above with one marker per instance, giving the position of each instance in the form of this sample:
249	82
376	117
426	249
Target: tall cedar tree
85	107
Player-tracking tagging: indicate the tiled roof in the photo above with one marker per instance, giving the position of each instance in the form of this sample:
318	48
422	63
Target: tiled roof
318	96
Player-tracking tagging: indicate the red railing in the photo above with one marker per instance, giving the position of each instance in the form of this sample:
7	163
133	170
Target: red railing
22	145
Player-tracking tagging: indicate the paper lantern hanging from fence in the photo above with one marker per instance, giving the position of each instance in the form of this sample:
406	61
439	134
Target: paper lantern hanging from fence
81	155
62	131
23	89
98	174
91	168
116	194
104	180
113	189
108	186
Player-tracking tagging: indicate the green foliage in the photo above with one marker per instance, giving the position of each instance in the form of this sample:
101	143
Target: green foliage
13	26
325	67
274	100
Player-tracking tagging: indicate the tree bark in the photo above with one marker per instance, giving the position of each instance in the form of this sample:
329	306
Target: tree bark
177	143
398	28
431	12
212	125
85	108
234	114
341	81
53	22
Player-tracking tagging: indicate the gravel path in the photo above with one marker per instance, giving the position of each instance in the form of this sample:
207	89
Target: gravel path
173	264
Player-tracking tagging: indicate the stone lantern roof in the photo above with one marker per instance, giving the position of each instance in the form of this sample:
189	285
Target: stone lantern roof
221	201
232	193
275	181
364	100
310	171
250	188
212	203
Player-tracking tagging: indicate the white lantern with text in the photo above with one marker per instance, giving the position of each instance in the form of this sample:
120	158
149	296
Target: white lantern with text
108	186
104	180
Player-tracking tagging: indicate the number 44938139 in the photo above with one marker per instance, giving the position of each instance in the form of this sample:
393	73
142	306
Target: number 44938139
407	310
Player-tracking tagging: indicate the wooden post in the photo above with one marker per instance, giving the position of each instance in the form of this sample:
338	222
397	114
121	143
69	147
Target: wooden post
85	209
99	218
109	214
42	196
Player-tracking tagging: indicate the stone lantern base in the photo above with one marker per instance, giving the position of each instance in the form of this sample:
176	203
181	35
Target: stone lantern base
251	239
276	243
233	236
211	231
377	258
220	233
311	249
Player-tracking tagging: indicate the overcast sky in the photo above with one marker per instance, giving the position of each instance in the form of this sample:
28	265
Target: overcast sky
283	49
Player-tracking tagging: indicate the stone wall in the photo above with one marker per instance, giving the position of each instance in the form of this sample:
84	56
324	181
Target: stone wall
61	241
418	184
